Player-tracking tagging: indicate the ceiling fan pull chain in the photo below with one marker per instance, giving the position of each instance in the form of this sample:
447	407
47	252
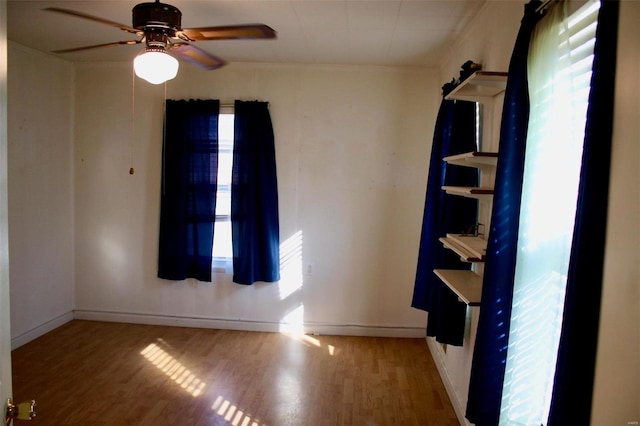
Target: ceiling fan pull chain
133	121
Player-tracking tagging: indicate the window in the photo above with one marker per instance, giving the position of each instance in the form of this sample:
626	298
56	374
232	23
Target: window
190	184
222	247
560	63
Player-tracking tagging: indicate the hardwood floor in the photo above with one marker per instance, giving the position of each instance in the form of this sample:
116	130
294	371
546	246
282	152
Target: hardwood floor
95	373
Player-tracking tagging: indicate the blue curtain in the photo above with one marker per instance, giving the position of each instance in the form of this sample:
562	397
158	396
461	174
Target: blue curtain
573	382
454	134
254	196
490	351
189	183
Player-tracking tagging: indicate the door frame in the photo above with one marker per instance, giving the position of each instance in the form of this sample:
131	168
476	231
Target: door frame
5	327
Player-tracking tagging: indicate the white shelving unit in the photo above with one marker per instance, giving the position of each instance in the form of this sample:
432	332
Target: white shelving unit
473	159
481	84
467	285
470	248
482	87
469	191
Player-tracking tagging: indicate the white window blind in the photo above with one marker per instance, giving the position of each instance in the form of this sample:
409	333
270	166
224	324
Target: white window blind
559	66
222	247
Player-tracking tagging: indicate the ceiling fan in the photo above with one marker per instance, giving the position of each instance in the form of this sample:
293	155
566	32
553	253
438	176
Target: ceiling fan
158	25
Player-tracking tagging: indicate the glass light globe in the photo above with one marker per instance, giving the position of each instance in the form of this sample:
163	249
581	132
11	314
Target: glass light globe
156	66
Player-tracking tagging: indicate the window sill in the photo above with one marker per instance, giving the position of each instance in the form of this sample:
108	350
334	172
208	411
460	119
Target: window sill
222	266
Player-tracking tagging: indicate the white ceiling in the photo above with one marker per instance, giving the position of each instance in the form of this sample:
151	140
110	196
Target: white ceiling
364	32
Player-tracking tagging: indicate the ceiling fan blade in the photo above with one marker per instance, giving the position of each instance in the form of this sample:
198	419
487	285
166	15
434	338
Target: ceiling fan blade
95	46
196	56
249	31
94	18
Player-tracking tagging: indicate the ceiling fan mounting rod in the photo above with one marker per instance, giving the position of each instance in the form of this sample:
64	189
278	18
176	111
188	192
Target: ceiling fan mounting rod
156	14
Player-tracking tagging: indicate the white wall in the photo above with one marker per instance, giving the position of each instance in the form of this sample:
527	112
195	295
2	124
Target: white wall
617	385
40	151
352	147
617	382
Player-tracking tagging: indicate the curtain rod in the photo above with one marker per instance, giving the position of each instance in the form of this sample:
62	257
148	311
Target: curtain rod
544	5
226	104
232	104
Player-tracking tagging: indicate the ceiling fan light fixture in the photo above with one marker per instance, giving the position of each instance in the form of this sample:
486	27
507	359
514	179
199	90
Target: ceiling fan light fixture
155	65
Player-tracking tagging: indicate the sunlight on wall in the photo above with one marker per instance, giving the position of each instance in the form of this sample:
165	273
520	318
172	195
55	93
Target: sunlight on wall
173	369
227	410
290	265
112	250
291	281
293	322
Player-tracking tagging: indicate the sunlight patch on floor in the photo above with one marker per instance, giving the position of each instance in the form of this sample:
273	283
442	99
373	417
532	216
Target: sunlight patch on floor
173	369
232	414
296	332
331	349
309	339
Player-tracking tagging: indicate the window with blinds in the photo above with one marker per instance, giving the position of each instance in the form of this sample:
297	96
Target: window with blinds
222	248
559	66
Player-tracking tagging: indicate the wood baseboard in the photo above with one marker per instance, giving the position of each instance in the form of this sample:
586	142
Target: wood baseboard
438	359
247	325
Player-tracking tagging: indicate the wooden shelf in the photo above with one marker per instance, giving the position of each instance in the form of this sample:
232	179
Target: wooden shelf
468	247
479	86
467	285
469	191
473	159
